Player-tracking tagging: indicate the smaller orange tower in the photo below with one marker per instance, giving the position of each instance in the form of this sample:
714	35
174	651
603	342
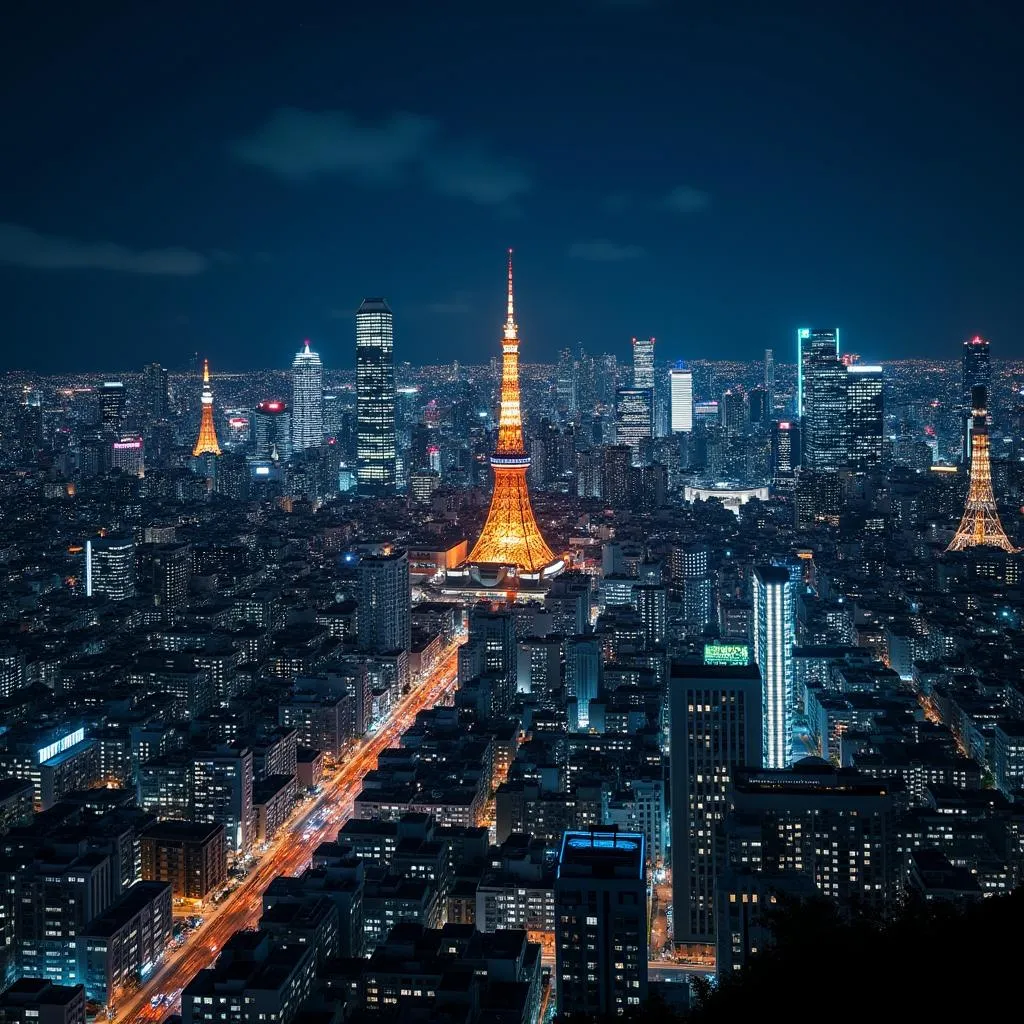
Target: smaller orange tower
206	443
980	525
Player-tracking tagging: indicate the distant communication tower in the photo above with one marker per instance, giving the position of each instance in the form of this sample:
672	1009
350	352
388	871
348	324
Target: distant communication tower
206	443
980	526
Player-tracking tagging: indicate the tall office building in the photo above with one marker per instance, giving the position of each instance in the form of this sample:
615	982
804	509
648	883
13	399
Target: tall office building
714	728
307	400
112	403
732	411
582	674
634	420
601	923
769	377
976	372
691	575
384	603
865	416
812	343
774	636
651	603
110	568
128	454
824	424
155	394
785	450
976	369
758	406
272	429
566	384
376	445
172	573
643	363
681	399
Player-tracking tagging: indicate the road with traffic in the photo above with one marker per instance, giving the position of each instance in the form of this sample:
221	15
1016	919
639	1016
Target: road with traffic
313	823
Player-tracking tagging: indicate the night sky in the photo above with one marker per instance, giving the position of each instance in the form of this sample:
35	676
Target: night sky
232	177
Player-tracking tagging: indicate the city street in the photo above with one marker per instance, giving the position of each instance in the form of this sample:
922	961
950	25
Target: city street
289	854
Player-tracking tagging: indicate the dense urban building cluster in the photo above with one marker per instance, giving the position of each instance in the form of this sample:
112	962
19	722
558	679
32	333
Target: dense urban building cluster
486	692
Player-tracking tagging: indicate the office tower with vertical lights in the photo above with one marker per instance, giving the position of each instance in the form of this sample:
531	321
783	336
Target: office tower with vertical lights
812	343
825	423
155	392
714	728
681	399
307	399
112	403
769	377
865	416
774	635
376	444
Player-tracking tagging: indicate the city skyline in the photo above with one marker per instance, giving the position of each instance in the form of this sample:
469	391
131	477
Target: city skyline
247	212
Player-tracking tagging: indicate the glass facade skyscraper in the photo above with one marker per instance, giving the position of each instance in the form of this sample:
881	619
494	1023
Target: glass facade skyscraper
634	419
773	630
307	400
865	417
643	362
812	343
376	454
824	422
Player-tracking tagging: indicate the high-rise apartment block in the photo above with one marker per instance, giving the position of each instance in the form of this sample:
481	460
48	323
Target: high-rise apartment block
110	568
384	603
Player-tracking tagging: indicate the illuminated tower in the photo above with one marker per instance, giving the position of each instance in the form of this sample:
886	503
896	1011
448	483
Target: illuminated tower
980	526
206	443
307	400
511	536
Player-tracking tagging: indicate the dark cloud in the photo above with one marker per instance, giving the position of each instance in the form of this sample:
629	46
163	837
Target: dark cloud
684	199
23	247
603	251
301	144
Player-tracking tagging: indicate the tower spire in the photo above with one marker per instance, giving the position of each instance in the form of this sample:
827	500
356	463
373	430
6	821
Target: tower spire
511	331
206	372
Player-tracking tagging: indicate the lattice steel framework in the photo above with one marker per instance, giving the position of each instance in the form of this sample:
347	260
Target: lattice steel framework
980	525
206	443
511	535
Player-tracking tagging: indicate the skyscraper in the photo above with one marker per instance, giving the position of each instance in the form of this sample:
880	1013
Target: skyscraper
773	630
643	363
154	391
384	603
681	392
206	442
307	400
634	419
769	377
510	536
976	372
865	416
112	401
272	429
714	728
567	385
824	424
110	568
376	446
812	343
785	450
601	923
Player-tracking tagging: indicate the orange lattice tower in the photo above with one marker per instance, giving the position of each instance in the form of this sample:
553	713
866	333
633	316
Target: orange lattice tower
206	443
511	536
980	526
